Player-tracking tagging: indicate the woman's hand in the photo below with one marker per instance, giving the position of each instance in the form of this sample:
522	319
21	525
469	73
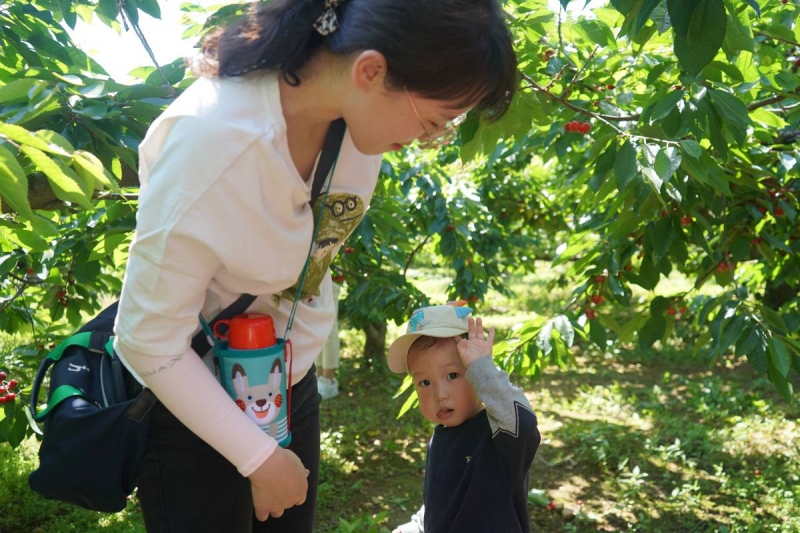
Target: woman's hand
476	345
278	484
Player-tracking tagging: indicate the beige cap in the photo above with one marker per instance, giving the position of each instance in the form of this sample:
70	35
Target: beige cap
434	321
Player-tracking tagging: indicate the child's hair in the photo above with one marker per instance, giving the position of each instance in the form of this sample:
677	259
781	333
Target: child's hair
459	50
423	342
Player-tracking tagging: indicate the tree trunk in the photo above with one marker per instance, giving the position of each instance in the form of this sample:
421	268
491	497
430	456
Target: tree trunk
375	344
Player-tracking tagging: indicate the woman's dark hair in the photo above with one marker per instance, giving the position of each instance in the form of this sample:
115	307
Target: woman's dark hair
459	50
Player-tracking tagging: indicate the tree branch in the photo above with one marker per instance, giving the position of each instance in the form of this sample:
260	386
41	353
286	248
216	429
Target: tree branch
609	118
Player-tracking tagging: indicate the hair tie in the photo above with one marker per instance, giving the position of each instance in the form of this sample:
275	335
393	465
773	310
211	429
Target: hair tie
327	22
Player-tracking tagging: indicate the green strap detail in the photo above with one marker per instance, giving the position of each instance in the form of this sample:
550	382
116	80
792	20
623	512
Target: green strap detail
59	395
79	339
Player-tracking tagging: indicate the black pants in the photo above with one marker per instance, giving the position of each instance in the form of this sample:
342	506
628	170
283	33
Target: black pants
186	486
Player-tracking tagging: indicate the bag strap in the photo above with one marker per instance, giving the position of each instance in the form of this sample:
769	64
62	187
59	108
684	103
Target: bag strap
330	151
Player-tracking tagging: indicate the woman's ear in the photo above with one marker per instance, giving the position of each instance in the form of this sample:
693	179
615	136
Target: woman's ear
369	71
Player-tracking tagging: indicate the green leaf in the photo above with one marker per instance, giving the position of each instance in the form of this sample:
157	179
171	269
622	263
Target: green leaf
625	166
598	334
89	163
665	106
150	7
66	184
597	32
132	10
737	37
17	90
565	329
754	5
652	331
661	236
757	356
544	340
644	13
14	183
25	137
652	177
730	108
680	14
704	37
410	402
604	164
692	148
779	356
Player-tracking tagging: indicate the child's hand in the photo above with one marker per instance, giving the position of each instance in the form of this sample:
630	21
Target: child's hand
475	345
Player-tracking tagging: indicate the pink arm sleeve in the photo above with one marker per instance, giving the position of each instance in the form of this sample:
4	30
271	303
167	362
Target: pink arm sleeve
186	387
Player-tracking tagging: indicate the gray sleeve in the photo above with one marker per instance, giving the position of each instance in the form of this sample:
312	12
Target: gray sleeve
501	398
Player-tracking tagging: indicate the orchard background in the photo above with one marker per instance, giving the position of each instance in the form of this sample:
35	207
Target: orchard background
650	140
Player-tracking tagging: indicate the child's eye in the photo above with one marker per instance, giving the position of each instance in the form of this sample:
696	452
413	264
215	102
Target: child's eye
452	375
424	383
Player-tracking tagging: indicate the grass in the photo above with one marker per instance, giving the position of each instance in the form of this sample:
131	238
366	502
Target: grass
631	442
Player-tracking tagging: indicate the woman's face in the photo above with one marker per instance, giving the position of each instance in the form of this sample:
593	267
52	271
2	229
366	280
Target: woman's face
383	119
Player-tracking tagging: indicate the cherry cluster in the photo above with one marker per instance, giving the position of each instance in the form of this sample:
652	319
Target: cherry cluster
577	127
6	396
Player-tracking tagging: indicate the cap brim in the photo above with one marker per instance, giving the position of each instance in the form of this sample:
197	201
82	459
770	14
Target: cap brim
397	356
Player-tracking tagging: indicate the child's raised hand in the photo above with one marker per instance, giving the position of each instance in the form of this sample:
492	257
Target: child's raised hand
476	345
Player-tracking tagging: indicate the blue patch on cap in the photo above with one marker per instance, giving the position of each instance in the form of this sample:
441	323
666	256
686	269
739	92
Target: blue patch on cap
461	312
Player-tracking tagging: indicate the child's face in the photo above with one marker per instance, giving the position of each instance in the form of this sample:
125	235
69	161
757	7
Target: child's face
445	395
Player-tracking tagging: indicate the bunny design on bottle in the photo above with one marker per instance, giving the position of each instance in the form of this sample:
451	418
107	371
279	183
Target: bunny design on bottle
251	364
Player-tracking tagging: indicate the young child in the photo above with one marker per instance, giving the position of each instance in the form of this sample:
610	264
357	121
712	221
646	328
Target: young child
476	475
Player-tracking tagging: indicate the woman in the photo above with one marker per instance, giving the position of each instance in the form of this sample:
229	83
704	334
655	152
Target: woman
225	175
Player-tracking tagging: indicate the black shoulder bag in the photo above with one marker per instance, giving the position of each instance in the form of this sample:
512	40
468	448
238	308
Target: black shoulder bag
94	426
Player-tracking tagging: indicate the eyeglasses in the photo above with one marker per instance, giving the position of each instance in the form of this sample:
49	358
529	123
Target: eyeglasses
442	135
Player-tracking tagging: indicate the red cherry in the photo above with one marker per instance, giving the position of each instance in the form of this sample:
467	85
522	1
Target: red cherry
686	220
756	241
784	2
600	279
569	126
684	309
10	397
450	227
762	210
12	384
585	128
349	250
473	298
3	375
337	279
590	314
671	311
610	86
30	271
597	299
778	212
2	400
3	390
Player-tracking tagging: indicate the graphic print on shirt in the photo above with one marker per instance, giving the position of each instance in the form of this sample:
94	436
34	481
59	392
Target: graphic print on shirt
342	215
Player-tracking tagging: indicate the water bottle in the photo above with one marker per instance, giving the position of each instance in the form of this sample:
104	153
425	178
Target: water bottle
252	364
